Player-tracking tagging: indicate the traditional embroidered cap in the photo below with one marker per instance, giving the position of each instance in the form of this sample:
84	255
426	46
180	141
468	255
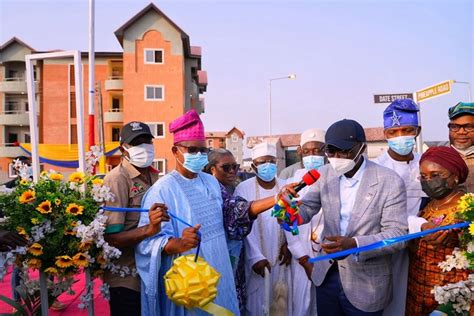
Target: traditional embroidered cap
345	134
132	130
462	108
187	127
312	135
264	149
401	113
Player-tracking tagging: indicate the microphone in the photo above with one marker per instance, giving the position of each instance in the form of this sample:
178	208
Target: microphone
309	178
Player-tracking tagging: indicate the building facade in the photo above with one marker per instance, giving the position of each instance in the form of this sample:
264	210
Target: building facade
155	79
232	140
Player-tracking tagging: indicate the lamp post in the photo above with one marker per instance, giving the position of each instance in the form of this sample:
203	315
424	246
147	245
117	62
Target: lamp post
468	88
291	77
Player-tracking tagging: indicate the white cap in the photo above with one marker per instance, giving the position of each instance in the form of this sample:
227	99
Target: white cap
312	135
264	149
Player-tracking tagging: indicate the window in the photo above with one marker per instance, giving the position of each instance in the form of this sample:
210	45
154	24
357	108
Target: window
12	138
115	134
27	138
210	143
234	149
115	105
153	56
154	93
235	139
157	129
160	165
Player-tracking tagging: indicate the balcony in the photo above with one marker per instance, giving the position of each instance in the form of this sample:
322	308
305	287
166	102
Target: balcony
15	85
113	116
11	151
14	118
114	83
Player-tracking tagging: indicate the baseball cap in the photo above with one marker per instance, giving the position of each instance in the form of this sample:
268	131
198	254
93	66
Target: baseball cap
460	109
345	134
132	130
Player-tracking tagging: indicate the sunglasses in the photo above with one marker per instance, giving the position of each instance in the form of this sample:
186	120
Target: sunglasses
195	149
228	167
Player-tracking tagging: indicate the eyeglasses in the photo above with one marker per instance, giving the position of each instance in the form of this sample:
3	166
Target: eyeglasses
195	149
228	167
261	162
314	151
457	127
331	151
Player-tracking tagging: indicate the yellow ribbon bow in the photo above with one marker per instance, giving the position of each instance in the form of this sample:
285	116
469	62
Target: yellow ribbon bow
194	285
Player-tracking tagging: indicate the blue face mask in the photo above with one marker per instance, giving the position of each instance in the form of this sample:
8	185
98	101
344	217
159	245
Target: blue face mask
402	145
195	162
313	162
267	171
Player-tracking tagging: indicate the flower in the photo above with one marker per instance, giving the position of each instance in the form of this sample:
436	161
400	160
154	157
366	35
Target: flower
36	249
70	230
80	260
44	207
27	197
24	182
84	246
34	263
471	229
101	260
74	209
98	181
56	176
77	177
57	202
51	270
64	261
35	221
22	232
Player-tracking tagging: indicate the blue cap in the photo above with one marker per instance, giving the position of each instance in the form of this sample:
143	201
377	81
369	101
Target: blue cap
345	134
401	113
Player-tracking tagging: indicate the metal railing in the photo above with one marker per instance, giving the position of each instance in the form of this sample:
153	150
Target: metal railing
115	110
14	112
115	78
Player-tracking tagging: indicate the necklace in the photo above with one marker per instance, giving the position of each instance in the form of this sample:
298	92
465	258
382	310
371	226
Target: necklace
445	202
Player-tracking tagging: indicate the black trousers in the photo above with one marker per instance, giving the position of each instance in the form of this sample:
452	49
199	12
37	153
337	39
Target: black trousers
124	302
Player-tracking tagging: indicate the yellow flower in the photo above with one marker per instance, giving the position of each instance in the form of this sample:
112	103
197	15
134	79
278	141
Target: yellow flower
64	261
34	263
74	209
56	176
80	260
44	207
57	202
70	231
35	221
98	181
27	197
471	229
51	270
85	245
22	232
101	260
43	173
36	249
77	177
24	182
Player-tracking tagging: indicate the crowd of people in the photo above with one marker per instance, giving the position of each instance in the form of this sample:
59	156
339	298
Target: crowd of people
266	270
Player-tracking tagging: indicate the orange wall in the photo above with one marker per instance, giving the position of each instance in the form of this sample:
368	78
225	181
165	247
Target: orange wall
137	74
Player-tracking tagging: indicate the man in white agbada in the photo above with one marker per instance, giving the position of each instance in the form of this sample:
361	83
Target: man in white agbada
400	129
305	245
265	246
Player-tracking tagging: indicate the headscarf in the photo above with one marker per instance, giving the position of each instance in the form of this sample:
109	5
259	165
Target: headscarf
449	159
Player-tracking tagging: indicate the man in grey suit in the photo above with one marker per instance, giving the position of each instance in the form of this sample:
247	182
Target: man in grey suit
362	203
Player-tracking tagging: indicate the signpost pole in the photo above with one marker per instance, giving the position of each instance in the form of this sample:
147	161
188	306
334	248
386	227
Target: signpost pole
419	139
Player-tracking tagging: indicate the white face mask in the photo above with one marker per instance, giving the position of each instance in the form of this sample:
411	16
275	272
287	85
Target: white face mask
141	156
344	165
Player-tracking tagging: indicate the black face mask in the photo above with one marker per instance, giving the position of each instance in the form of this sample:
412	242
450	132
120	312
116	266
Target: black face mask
436	188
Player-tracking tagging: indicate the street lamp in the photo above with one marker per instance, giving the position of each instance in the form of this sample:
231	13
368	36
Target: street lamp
290	77
468	88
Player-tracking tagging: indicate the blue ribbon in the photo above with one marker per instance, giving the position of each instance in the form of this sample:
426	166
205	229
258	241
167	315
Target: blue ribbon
144	210
387	242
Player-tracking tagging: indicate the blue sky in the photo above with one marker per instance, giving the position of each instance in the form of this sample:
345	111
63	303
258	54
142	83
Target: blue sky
342	52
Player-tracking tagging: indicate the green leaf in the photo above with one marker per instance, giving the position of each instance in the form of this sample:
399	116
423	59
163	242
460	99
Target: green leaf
20	309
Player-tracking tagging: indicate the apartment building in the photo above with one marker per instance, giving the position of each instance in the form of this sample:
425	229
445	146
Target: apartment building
156	78
232	140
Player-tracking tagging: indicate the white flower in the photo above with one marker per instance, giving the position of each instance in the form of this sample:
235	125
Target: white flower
105	291
101	193
459	294
457	260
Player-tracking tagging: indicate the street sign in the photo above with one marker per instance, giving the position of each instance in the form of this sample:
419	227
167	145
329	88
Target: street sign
388	98
434	91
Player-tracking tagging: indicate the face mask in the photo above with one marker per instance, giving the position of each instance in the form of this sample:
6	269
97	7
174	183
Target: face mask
267	171
194	162
141	156
313	162
344	165
436	188
402	145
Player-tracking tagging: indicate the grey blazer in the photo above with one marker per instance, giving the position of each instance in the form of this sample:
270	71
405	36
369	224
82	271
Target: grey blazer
379	212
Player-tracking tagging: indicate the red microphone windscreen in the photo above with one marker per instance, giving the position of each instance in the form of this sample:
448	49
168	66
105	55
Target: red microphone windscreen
311	177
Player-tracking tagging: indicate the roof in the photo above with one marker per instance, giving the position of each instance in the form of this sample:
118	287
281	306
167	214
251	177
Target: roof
238	131
151	7
13	40
216	134
202	77
372	134
196	51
